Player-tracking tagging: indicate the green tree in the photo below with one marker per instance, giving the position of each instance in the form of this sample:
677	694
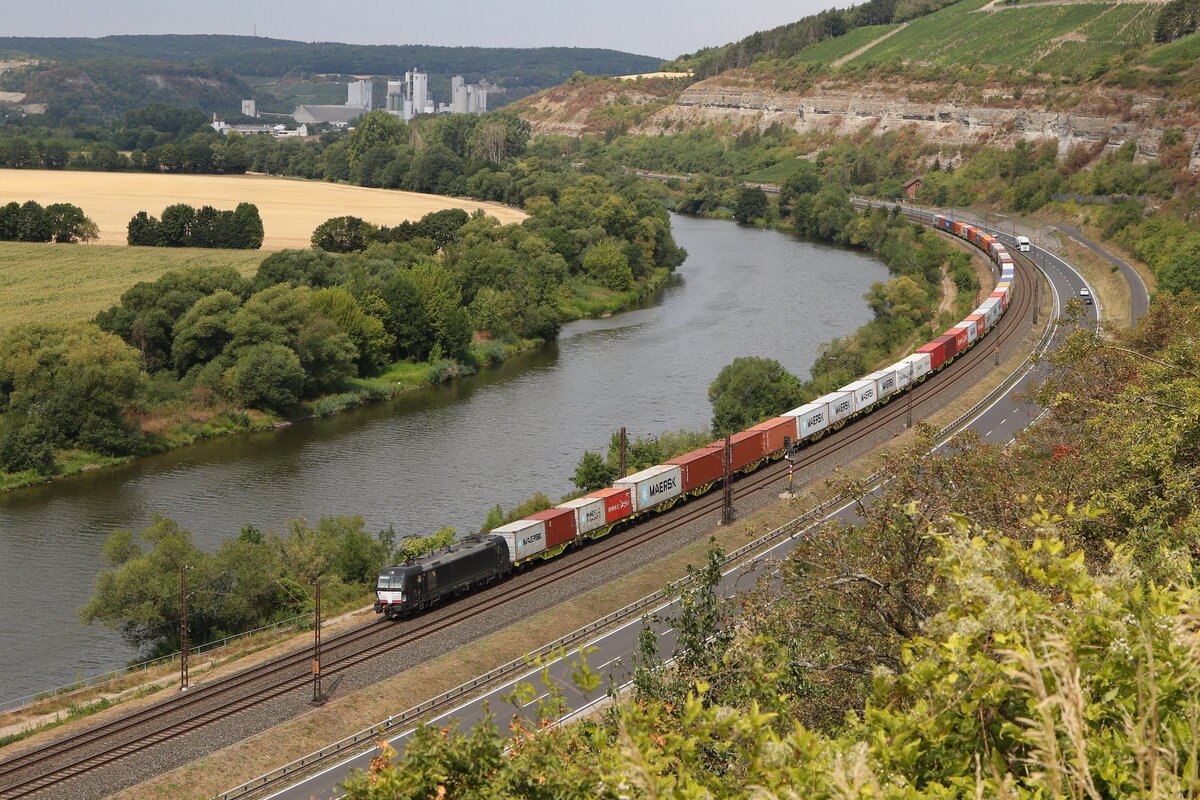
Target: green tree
267	376
750	390
69	224
247	228
607	264
143	230
751	204
372	342
343	234
593	473
373	129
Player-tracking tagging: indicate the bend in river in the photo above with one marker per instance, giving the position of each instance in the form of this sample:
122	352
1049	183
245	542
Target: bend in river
437	456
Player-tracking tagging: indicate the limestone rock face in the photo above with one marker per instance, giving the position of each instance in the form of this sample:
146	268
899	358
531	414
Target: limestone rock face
953	123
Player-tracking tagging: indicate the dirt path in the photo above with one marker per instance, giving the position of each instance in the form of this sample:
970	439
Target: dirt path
838	62
949	294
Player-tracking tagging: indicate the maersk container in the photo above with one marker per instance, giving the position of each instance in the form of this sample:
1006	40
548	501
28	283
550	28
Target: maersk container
745	448
618	503
525	538
560	525
651	486
969	328
588	511
980	321
865	393
811	419
773	431
841	405
699	467
885	381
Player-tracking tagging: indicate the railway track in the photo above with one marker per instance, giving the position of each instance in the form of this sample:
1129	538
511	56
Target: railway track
58	762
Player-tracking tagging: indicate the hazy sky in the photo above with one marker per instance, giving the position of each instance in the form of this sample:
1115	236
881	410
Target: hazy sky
660	28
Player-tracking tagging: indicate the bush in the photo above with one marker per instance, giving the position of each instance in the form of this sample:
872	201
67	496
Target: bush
267	376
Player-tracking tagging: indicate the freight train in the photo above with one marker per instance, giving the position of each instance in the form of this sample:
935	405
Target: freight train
484	558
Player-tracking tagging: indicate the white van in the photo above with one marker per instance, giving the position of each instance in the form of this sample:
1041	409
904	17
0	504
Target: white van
1023	244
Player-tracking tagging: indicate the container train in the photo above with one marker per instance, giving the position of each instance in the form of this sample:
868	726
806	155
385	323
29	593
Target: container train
483	558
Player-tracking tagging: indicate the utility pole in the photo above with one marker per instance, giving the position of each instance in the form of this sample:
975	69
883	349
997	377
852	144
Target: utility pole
624	443
727	490
908	419
316	665
183	629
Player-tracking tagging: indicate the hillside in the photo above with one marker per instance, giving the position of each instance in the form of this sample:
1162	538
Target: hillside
973	72
512	72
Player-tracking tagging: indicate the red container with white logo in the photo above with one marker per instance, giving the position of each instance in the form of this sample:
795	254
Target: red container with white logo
936	350
617	504
560	525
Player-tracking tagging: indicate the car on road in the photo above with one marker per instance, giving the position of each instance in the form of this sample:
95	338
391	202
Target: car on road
1085	295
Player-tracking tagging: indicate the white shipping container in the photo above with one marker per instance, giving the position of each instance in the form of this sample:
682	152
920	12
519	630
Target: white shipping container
971	328
865	393
525	538
841	404
885	381
991	311
910	369
652	485
810	418
589	513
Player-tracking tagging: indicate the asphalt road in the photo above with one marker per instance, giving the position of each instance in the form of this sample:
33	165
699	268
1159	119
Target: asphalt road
610	654
1139	296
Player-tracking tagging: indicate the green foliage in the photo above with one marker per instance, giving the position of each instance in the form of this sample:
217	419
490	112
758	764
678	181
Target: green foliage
343	234
266	375
182	225
497	516
751	204
57	222
750	390
593	473
415	546
251	580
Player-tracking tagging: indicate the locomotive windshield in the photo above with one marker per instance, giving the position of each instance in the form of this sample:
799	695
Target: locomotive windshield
388	582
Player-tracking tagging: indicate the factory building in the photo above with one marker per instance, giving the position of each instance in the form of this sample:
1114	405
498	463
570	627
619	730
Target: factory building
358	93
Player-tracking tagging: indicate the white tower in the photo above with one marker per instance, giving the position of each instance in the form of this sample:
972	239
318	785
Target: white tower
359	93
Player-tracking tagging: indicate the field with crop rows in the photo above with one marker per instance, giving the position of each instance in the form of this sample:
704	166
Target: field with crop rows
65	282
290	209
1019	35
832	49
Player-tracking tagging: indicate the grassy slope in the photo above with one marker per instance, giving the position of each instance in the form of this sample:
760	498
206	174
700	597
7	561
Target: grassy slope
62	282
832	49
1018	36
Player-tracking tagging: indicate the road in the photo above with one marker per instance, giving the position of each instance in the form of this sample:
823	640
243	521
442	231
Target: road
1139	295
609	655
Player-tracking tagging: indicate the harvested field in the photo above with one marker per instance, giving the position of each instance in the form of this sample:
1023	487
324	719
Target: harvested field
290	208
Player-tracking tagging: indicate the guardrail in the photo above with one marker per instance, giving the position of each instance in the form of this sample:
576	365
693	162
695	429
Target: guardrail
99	681
788	529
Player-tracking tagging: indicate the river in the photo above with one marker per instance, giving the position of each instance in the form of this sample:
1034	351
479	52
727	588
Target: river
437	456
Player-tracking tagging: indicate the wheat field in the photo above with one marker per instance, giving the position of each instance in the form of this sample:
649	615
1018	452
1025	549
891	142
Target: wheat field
290	209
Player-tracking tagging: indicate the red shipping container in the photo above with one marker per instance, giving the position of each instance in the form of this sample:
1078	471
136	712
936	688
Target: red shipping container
980	323
958	337
774	430
617	504
1003	298
936	350
747	446
560	525
700	466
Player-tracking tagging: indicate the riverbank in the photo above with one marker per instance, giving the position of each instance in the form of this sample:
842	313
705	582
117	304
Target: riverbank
177	424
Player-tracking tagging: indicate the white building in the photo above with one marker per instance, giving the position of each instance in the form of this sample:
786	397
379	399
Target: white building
249	108
359	93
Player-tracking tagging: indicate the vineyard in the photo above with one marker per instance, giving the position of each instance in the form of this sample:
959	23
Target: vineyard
1057	39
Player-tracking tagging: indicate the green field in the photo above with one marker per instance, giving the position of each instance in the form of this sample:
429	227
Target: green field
832	49
1183	52
65	282
1020	36
300	92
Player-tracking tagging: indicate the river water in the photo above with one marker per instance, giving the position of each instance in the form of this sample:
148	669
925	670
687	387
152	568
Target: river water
433	457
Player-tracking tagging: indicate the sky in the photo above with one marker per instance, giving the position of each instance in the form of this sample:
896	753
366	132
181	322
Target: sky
659	28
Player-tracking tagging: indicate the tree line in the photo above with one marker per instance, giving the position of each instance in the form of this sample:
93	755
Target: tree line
57	222
182	225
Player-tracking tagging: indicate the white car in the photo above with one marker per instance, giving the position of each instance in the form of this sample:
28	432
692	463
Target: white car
1085	295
